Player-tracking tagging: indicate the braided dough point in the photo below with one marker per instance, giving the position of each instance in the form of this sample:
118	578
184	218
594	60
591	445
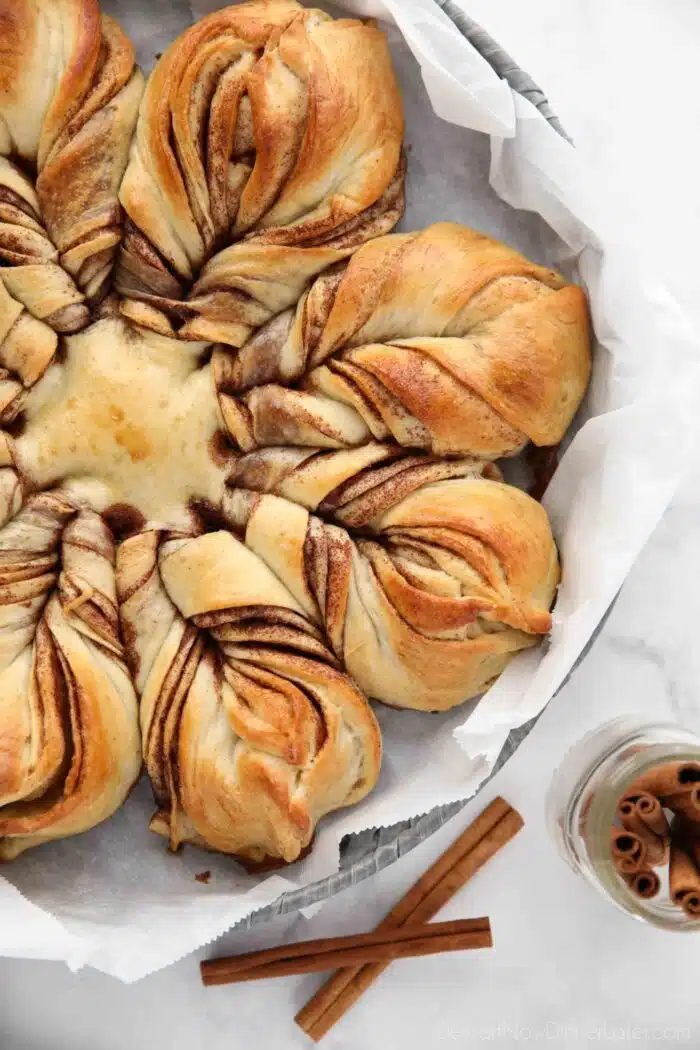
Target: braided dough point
69	97
266	121
251	731
444	340
70	743
453	574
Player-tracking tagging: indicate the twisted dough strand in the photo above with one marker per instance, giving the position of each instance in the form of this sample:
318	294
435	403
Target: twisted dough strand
68	105
444	340
69	97
451	573
251	732
65	693
265	121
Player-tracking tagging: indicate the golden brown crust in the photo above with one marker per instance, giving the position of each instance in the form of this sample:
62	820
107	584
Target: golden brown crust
251	733
457	571
50	53
68	709
489	351
69	97
264	120
79	182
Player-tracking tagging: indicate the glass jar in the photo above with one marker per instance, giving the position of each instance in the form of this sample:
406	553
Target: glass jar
583	796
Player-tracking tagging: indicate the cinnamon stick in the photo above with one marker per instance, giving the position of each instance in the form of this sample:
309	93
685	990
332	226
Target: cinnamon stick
686	803
627	850
491	830
683	876
328	953
691	905
669	778
644	883
689	834
636	813
651	812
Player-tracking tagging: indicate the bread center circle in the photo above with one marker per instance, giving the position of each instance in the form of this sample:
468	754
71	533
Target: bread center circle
127	417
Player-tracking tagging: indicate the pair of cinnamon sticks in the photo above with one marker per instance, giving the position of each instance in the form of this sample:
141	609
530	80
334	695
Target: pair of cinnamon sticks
406	930
646	839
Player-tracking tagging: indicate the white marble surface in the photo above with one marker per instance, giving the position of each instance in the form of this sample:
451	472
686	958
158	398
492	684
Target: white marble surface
567	969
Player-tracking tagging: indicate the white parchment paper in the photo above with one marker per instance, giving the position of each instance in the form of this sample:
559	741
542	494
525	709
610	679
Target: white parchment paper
478	154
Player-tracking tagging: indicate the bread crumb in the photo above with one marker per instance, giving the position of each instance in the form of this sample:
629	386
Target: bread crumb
203	876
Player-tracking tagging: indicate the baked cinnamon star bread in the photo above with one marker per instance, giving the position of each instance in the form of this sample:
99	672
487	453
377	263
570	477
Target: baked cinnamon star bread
246	476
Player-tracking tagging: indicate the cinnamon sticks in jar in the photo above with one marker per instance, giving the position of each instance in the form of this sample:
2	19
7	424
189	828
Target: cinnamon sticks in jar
658	824
641	814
